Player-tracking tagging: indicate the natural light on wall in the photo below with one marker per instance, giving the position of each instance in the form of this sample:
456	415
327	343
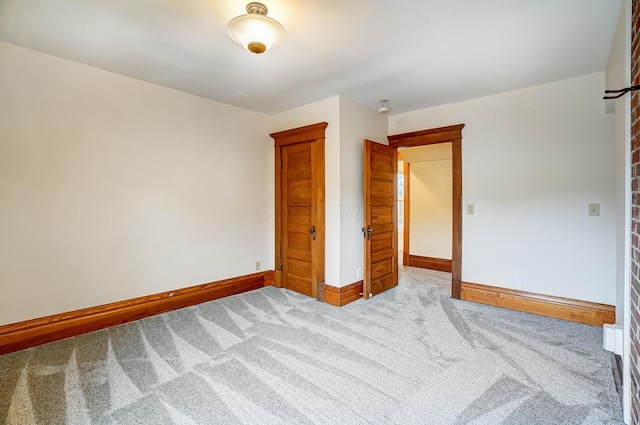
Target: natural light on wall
255	31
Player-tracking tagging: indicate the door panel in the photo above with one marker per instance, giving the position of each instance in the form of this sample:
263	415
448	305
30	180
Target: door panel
299	209
297	218
380	215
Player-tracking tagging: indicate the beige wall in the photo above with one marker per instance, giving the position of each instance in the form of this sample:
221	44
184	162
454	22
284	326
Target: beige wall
533	160
430	224
112	188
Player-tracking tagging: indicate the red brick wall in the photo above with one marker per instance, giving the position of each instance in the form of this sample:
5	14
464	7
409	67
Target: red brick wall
635	216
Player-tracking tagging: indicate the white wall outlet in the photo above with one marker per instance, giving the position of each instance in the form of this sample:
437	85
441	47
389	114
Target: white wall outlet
359	273
594	210
257	265
470	209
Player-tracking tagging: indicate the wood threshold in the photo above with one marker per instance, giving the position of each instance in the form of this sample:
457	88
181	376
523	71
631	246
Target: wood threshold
29	333
586	312
342	296
431	263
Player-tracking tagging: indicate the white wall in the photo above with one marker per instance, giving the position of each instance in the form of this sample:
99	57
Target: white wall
430	224
357	122
533	160
113	188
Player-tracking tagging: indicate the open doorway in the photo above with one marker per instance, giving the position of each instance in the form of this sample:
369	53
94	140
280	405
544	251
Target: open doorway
425	206
451	134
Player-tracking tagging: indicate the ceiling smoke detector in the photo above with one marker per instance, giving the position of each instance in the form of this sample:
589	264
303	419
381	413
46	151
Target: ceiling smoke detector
384	108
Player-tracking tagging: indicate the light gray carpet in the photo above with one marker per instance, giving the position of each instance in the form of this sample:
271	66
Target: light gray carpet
408	356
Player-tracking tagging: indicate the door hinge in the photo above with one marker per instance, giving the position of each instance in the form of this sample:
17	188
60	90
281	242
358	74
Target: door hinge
280	163
280	268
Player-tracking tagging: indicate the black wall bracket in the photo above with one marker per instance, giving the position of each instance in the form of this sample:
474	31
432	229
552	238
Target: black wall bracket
620	92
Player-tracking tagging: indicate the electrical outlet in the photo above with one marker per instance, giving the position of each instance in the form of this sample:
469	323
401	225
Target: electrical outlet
594	210
257	265
359	273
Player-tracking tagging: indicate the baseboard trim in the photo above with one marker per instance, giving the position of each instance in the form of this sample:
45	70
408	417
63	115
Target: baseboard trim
586	312
344	295
21	335
430	263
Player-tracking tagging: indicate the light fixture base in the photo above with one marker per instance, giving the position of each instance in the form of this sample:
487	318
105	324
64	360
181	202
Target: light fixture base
384	108
256	47
257	8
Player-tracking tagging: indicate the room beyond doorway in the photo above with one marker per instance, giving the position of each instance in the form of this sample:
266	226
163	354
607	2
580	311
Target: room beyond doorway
427	206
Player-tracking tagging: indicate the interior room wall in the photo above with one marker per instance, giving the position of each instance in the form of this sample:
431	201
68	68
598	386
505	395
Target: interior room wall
533	160
112	188
430	224
357	122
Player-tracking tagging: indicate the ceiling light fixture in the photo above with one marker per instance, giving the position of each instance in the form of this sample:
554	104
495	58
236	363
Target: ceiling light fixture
384	108
255	31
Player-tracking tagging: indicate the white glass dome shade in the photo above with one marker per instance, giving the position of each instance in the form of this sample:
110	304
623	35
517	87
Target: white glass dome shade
255	31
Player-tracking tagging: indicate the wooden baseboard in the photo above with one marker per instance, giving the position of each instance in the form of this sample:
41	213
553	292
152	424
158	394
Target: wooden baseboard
586	312
344	295
21	335
430	263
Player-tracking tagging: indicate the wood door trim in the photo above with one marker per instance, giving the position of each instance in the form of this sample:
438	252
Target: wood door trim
315	134
407	213
277	279
307	133
426	137
453	134
317	249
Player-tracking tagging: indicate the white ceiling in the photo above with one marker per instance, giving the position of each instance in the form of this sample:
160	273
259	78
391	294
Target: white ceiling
417	53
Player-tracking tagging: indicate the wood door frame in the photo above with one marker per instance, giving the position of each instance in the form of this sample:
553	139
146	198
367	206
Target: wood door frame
407	212
433	136
314	133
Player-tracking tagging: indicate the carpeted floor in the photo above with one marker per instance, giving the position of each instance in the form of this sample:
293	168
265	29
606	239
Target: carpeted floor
408	356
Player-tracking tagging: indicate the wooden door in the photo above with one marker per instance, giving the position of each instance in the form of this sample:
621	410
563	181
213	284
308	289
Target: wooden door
380	217
300	210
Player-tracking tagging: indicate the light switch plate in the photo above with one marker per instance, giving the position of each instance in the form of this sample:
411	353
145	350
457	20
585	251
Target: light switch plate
470	209
594	210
